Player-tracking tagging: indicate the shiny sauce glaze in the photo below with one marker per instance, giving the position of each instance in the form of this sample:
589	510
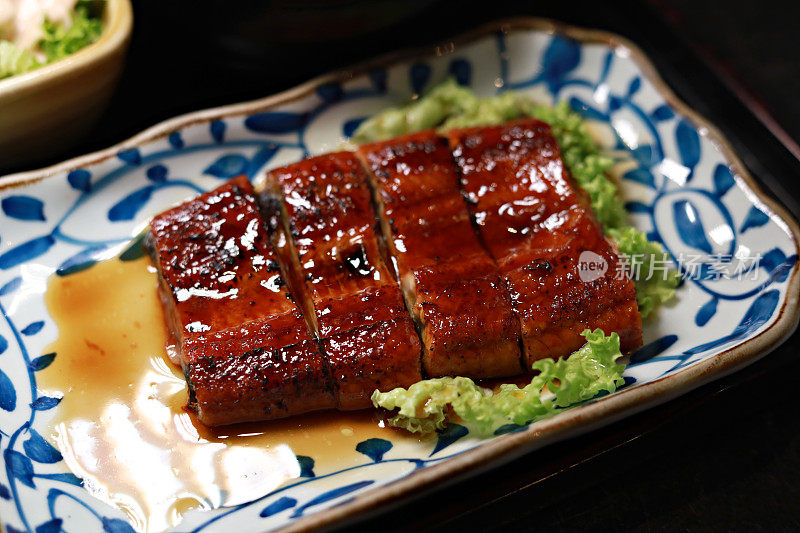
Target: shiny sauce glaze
244	344
538	225
366	332
122	426
450	282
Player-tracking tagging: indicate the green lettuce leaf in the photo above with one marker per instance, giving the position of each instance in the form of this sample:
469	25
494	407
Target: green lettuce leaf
430	404
15	60
59	42
655	280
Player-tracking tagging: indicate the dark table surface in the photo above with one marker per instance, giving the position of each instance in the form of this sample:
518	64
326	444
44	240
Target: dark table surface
726	456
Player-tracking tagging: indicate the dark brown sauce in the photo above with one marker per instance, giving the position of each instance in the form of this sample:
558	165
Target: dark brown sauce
122	426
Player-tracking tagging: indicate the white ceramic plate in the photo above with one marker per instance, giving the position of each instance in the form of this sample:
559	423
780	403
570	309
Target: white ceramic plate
682	182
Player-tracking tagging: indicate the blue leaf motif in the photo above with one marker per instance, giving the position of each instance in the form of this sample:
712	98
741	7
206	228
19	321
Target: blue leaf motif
80	261
131	156
227	166
509	428
760	311
688	145
63	477
3	344
560	58
306	466
11	286
653	349
690	227
644	155
127	208
33	328
662	113
8	395
635	85
39	450
777	265
374	448
586	111
42	362
4	492
706	312
461	71
276	122
217	129
755	219
261	158
419	74
350	127
116	525
26	251
80	180
51	526
637	207
44	403
157	173
176	140
281	504
378	79
20	467
330	92
641	175
332	495
135	249
723	179
450	434
23	207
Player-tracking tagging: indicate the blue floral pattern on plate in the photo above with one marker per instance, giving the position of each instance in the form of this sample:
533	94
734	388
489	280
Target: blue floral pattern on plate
679	186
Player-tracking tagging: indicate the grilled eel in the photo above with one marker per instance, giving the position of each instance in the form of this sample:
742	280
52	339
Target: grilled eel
477	239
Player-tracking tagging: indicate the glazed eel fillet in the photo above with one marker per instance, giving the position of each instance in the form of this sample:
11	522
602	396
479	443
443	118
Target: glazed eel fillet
243	344
340	274
450	283
538	225
480	236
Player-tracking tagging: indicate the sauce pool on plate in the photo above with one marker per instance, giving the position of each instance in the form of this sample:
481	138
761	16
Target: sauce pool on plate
122	426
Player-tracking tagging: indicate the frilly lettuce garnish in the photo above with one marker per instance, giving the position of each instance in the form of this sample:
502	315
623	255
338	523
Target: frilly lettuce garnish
430	404
449	105
654	284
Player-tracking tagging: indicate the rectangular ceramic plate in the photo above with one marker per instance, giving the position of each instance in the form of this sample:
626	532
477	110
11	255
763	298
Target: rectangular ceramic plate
682	183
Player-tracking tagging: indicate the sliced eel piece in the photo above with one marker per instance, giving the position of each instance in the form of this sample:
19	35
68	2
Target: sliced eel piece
337	259
244	346
450	282
537	223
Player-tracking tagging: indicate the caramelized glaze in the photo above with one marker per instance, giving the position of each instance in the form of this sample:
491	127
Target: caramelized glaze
536	223
122	427
244	345
450	282
366	332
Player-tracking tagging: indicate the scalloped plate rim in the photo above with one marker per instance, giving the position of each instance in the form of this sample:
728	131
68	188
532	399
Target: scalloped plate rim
571	423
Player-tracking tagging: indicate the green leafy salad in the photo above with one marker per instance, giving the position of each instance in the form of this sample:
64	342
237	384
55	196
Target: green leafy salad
594	369
34	33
